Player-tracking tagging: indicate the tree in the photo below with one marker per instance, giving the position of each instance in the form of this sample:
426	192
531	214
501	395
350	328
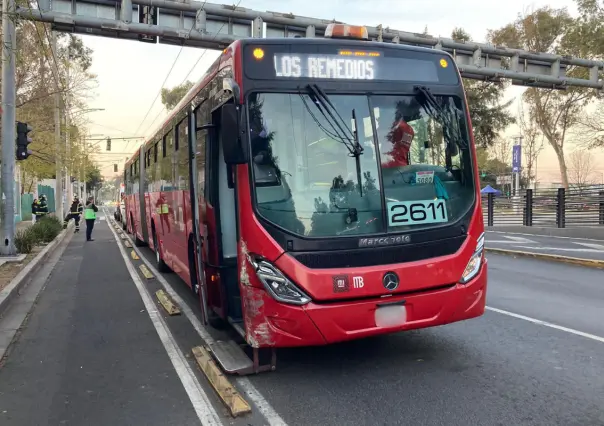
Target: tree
35	91
93	178
590	131
532	145
171	97
581	168
554	112
489	115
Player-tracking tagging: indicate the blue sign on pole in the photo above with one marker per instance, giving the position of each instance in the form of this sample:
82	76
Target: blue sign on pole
516	158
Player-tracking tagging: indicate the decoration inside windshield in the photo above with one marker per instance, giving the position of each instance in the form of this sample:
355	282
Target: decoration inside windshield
418	212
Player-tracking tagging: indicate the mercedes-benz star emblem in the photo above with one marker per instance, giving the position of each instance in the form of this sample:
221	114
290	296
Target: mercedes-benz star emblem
390	281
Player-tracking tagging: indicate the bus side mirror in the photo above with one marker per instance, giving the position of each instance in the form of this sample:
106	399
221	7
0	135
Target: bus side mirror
229	136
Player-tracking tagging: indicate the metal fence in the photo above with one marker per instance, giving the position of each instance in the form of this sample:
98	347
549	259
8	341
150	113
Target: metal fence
547	208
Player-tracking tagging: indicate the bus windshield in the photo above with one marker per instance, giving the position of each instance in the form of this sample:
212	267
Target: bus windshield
411	167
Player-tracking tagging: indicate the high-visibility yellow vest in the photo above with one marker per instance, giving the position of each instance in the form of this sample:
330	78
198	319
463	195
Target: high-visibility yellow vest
89	214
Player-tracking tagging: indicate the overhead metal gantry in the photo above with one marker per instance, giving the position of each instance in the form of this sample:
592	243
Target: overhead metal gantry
215	26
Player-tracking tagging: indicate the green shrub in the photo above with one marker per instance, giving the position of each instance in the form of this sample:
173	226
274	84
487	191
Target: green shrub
46	229
25	240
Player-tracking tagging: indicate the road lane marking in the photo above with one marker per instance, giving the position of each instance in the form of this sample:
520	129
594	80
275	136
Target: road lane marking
169	305
597	247
203	407
487	241
263	406
519	239
548	324
542	235
231	397
581	250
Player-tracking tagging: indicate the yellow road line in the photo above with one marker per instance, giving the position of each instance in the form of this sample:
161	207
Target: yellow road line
146	272
227	392
169	305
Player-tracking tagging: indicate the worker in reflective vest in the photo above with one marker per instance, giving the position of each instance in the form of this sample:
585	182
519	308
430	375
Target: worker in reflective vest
90	217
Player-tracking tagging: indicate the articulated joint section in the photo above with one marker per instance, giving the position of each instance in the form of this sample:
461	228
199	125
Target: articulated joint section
276	283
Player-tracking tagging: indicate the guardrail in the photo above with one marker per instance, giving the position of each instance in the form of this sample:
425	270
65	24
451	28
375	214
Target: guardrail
558	208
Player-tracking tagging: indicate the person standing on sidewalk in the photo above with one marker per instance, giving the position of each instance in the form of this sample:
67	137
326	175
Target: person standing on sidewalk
34	210
90	216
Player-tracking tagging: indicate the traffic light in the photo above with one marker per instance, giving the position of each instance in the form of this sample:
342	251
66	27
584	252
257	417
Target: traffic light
23	140
108	144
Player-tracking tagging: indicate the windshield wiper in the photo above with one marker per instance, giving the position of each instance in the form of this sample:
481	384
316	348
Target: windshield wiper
322	101
444	116
341	132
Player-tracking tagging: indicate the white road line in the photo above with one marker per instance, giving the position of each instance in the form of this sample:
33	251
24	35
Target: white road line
503	242
581	250
598	247
246	385
519	239
548	324
203	407
541	235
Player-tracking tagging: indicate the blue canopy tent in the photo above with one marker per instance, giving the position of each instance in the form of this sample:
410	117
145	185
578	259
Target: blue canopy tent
490	190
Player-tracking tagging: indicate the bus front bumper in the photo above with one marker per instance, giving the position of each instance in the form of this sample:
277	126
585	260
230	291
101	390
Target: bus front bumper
275	324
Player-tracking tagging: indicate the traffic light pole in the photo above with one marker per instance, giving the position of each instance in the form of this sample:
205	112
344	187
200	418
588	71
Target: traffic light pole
9	46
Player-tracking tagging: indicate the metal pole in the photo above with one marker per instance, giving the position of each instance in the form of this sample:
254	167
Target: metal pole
59	170
68	168
85	165
9	45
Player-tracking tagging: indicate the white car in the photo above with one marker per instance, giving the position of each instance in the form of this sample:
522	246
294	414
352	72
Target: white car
120	214
122	209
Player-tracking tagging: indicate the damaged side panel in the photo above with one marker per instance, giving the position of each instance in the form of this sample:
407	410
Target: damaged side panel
258	332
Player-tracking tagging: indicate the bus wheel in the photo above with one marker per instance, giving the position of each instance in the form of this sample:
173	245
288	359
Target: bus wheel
137	241
159	262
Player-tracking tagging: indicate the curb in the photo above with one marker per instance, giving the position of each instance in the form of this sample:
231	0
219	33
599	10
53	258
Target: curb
599	264
12	290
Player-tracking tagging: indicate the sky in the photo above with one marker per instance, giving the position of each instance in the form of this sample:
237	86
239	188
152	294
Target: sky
130	74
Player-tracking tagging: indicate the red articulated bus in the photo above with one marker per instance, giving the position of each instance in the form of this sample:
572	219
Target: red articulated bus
313	191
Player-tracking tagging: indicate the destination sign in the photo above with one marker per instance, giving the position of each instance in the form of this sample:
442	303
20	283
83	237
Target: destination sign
325	62
337	67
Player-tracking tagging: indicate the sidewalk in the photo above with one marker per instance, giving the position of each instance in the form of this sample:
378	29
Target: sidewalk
89	354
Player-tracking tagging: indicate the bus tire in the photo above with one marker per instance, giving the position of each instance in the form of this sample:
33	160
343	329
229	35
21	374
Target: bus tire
137	241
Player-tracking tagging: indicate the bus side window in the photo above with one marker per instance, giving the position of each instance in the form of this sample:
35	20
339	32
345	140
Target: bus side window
202	117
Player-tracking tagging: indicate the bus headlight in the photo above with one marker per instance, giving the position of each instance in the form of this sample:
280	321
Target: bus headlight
475	261
278	285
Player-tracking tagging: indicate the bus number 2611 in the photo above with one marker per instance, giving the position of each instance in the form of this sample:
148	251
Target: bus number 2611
417	212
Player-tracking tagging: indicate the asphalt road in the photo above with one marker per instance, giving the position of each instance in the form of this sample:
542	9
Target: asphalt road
572	247
89	354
